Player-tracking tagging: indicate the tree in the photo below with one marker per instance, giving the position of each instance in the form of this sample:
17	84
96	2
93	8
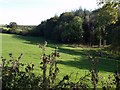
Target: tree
73	32
13	25
88	27
105	16
66	17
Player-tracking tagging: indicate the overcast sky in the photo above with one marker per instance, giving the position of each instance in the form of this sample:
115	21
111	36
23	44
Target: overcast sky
32	12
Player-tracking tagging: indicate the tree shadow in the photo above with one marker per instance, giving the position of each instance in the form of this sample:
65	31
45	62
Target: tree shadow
81	62
73	51
84	64
36	40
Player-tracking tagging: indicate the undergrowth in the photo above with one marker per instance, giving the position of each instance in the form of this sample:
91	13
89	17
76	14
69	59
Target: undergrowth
19	76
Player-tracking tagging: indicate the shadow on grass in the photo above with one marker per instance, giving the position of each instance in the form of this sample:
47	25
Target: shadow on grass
81	64
36	40
105	64
73	52
84	64
29	39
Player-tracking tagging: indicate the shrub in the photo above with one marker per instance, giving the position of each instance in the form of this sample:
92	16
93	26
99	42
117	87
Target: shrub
16	75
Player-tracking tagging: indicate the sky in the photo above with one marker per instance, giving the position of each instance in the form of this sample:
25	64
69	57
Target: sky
32	12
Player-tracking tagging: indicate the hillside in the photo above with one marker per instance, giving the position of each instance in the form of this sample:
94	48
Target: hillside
72	59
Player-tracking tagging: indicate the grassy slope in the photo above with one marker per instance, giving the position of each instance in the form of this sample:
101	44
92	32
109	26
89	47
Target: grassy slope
72	60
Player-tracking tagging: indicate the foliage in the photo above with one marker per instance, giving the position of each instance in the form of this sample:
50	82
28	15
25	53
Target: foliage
14	78
105	16
78	26
13	28
16	75
66	27
91	29
12	25
73	57
73	31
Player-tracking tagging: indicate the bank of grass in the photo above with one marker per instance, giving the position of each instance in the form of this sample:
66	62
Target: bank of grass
72	59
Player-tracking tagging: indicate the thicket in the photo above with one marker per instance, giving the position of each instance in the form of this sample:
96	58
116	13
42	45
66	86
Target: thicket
19	76
13	28
66	28
81	27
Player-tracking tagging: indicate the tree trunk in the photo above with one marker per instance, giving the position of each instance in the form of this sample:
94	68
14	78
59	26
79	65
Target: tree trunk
100	41
100	37
104	42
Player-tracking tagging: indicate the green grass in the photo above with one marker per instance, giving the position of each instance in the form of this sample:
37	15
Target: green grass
72	60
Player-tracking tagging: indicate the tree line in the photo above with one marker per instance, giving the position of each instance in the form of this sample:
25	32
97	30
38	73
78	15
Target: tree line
98	27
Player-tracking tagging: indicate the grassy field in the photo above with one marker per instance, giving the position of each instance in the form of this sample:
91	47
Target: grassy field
72	59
